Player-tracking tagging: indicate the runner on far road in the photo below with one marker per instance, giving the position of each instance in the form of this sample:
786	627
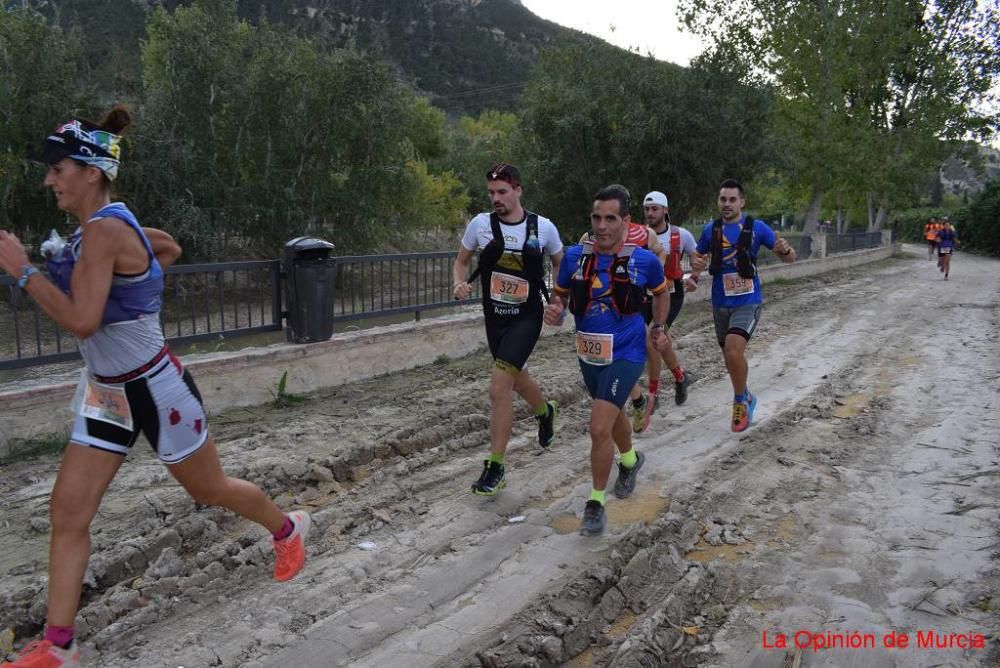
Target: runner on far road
106	288
604	283
677	241
930	234
947	239
734	241
513	242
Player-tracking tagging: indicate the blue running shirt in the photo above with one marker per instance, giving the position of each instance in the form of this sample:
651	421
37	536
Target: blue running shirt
763	235
629	331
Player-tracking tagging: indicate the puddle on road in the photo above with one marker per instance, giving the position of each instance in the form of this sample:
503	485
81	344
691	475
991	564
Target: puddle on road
850	406
620	628
598	655
565	523
584	659
883	386
783	531
645	506
766	604
831	556
704	552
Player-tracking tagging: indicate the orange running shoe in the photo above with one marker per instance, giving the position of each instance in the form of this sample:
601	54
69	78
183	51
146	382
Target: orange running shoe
743	413
43	654
290	552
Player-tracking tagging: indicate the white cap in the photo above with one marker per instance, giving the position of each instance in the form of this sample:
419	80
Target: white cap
655	197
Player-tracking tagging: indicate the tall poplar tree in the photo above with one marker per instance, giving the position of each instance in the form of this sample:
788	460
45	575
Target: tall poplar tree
872	92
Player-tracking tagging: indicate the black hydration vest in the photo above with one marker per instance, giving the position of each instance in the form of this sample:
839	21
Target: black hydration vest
746	264
533	270
626	297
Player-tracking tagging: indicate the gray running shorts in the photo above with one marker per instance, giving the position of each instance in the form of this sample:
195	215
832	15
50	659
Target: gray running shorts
741	320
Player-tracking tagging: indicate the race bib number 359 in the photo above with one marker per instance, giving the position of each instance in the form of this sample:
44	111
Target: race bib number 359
596	349
734	285
508	289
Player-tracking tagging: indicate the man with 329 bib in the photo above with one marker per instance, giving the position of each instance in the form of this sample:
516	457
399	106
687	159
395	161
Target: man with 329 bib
603	283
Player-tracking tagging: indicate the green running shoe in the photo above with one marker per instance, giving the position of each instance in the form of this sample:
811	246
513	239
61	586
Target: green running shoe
547	424
491	481
594	519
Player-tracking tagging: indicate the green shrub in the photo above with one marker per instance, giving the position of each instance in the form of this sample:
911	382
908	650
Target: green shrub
979	224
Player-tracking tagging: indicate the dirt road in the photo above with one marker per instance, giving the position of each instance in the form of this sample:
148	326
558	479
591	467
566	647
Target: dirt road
863	504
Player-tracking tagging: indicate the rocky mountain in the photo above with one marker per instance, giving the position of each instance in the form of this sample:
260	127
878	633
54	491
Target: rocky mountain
466	55
958	176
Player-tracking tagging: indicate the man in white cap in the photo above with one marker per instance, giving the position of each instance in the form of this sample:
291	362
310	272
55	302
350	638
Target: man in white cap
677	241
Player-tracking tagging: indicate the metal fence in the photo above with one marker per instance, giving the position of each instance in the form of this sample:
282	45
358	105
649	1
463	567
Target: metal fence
852	241
802	243
200	302
232	299
386	285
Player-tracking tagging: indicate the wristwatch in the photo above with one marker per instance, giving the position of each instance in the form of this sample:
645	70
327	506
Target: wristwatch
26	273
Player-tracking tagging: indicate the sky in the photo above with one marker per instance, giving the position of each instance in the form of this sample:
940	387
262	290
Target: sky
650	25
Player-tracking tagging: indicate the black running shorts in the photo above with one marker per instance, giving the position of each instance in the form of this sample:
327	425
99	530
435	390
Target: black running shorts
676	302
511	342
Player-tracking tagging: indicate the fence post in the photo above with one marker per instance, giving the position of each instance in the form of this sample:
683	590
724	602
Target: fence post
818	246
276	293
886	238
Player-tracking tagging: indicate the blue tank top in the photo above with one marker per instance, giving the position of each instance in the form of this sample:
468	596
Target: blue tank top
130	296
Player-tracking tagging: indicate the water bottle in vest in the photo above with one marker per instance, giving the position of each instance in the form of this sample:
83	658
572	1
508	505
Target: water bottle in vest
533	242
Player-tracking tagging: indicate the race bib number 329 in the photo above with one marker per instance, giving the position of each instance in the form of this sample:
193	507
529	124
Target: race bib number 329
596	349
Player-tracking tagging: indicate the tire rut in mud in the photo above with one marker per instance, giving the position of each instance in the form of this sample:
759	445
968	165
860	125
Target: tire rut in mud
161	550
665	590
158	557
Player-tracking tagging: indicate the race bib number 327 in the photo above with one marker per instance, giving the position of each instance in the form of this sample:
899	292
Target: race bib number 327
508	289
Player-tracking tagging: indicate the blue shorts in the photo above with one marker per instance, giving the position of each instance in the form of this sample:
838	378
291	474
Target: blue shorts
611	382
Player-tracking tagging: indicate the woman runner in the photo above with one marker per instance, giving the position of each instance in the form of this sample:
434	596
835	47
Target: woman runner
106	287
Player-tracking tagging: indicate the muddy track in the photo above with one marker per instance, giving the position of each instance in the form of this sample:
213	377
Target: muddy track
837	508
